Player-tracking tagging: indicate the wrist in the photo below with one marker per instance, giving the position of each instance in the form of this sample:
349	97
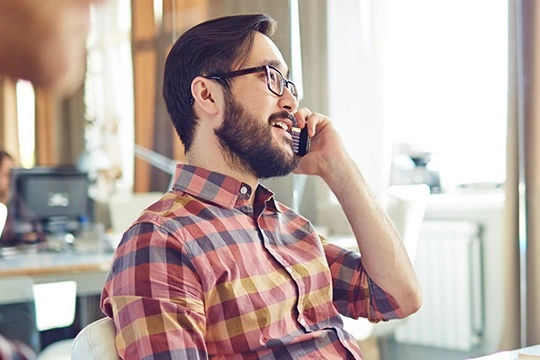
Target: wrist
339	171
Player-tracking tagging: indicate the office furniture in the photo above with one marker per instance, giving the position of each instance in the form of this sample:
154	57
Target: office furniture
96	341
54	305
87	269
80	273
125	208
18	310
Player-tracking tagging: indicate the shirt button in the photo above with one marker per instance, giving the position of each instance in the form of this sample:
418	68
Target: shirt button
243	190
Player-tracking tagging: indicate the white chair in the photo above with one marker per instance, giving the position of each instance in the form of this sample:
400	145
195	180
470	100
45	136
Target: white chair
406	206
125	208
120	211
96	342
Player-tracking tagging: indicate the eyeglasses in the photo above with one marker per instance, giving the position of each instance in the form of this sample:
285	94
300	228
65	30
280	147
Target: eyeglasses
275	81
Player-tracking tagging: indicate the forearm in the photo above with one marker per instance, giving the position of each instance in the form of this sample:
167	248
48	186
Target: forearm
383	254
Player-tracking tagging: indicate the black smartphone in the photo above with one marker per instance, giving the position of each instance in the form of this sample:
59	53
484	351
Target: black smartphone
301	141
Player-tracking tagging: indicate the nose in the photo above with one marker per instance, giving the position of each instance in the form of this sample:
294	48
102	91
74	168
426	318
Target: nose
288	101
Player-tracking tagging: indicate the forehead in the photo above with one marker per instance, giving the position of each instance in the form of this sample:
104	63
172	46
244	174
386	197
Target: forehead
265	52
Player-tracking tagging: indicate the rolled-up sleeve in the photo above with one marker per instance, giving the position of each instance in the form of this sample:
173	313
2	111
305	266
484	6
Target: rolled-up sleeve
354	293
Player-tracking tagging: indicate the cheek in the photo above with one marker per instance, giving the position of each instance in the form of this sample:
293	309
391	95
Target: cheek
258	102
257	111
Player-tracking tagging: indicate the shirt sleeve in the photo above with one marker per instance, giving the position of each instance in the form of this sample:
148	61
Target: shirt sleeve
355	294
155	297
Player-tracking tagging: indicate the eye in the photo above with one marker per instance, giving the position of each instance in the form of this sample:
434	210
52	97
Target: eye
273	76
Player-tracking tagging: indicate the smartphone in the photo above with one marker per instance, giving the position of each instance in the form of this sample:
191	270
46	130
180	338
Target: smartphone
301	141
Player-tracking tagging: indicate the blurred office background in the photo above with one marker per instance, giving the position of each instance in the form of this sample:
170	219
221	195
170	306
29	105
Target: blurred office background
423	92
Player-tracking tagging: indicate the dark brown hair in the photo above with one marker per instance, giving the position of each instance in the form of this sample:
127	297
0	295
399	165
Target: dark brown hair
211	47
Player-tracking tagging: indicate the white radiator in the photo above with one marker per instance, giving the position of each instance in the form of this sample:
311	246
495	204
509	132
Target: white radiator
449	267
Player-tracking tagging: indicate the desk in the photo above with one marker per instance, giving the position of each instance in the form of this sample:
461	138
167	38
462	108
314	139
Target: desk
512	355
87	268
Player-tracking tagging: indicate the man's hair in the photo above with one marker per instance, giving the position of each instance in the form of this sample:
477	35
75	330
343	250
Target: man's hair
212	47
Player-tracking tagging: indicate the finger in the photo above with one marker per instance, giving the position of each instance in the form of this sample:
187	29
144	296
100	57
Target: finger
301	116
314	120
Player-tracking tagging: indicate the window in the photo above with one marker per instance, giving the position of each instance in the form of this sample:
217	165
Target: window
109	132
432	74
446	84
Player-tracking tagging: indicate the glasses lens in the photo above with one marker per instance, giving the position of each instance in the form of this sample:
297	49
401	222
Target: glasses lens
292	89
275	81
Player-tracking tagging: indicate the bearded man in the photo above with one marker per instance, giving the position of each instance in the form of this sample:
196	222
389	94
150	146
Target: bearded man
218	268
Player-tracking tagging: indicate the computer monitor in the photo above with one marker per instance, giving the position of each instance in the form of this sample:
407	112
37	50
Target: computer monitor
51	194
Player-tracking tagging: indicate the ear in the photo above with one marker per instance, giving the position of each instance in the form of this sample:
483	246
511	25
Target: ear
206	92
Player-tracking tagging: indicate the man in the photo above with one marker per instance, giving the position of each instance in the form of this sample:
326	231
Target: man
218	268
6	163
10	236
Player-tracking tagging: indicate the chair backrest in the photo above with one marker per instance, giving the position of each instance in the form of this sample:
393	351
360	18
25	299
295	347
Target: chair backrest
96	341
406	207
125	208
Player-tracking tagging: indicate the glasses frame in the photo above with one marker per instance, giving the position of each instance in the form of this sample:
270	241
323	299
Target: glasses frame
266	69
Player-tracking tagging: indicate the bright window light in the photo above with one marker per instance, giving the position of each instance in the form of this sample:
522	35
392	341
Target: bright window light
446	84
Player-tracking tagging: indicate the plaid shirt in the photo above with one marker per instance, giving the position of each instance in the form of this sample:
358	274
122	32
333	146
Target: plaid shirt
203	274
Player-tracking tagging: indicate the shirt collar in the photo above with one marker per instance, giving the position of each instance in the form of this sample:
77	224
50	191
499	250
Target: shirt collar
220	189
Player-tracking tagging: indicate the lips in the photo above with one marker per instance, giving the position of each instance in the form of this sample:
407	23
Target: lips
280	124
282	120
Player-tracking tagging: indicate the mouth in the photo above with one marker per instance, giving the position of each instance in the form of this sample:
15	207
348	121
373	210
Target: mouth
281	124
283	121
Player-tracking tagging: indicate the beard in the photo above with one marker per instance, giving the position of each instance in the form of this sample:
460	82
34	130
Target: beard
247	143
